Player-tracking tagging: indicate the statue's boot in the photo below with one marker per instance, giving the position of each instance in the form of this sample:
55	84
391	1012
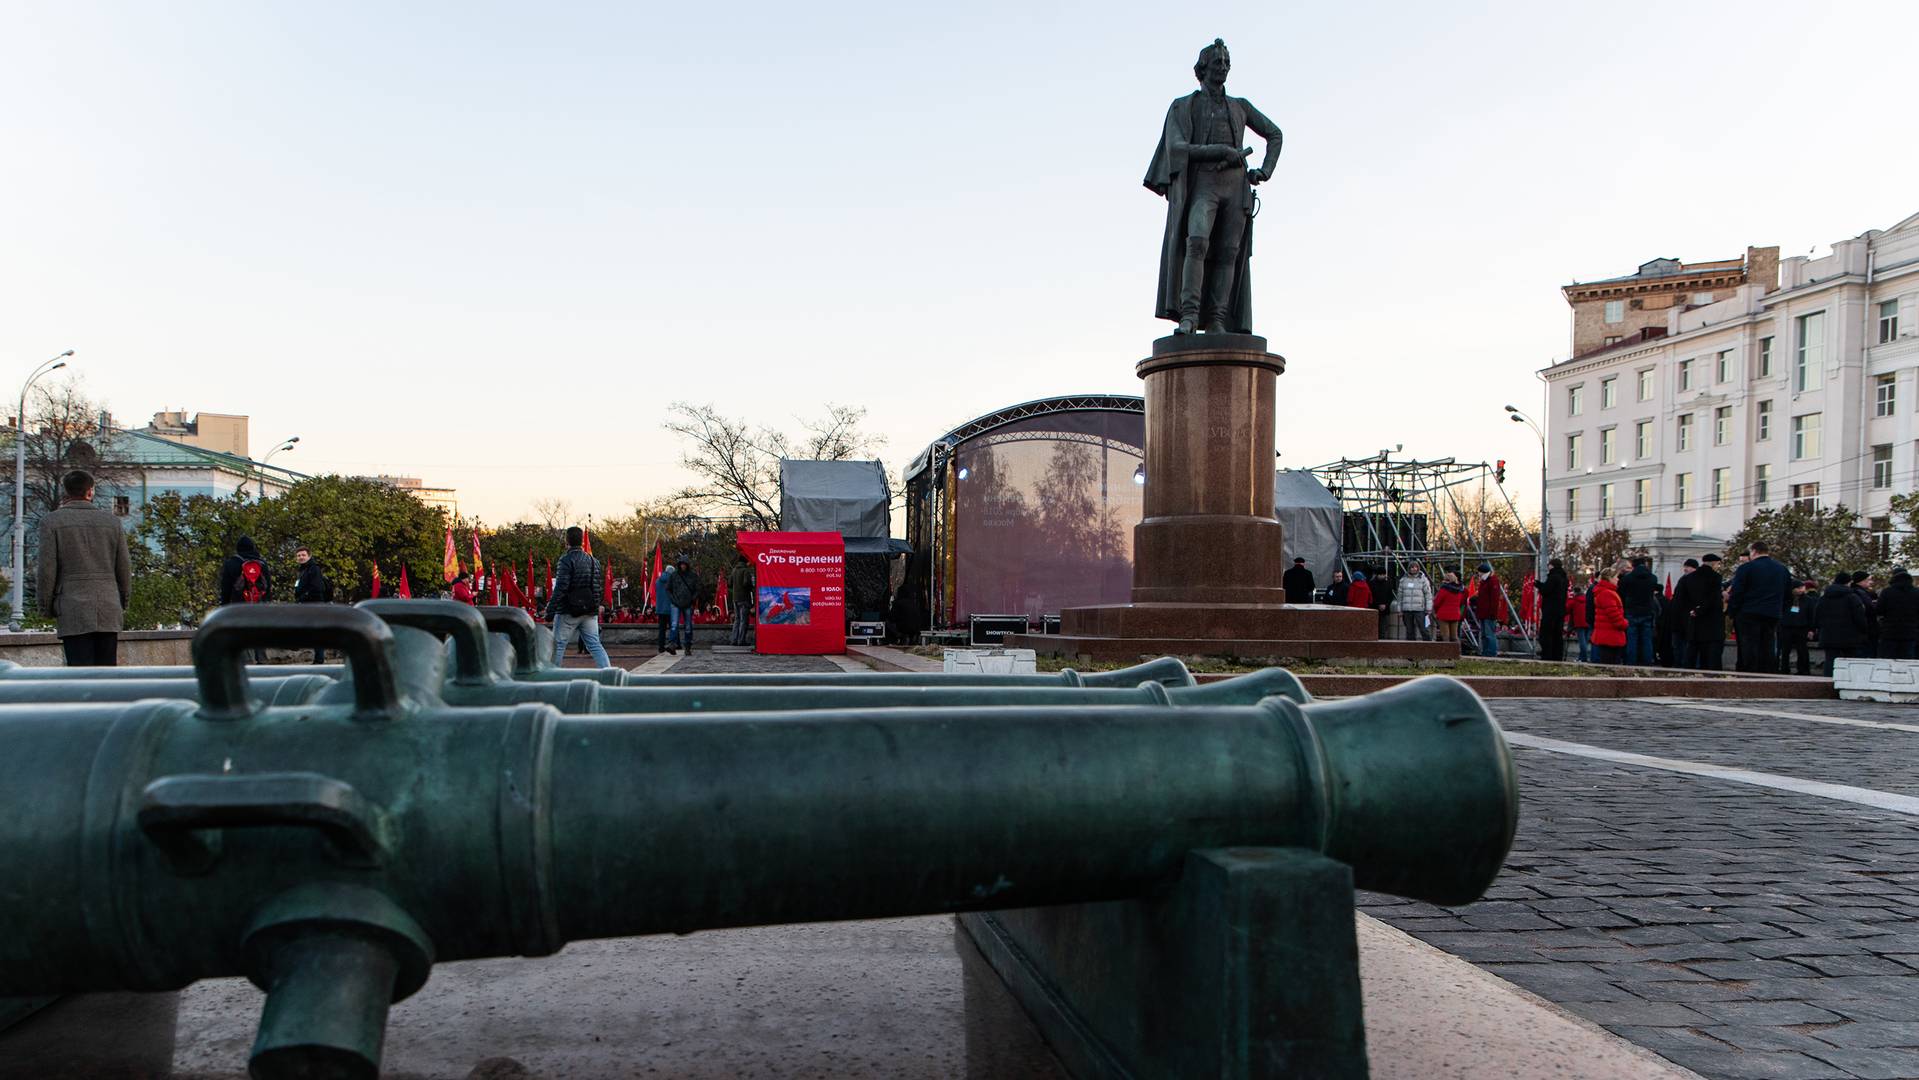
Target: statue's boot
1192	279
1219	295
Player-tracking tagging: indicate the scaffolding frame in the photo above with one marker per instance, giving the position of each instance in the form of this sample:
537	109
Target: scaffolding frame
1392	498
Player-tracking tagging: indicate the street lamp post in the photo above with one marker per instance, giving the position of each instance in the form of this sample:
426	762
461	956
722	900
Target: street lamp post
1545	511
284	445
17	585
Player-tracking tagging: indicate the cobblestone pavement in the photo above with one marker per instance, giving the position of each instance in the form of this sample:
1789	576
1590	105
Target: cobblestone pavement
1738	930
701	662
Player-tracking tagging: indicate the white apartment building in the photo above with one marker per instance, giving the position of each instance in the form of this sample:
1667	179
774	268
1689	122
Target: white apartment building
1753	393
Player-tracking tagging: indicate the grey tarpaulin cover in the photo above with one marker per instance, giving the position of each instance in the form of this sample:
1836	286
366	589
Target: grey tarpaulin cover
1310	520
847	497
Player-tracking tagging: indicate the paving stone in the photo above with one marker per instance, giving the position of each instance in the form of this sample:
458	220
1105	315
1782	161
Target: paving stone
1662	1039
1511	921
1875	1064
1767	1038
1657	935
1778	1013
1853	965
1733	1064
1751	969
1871	1034
1639	1013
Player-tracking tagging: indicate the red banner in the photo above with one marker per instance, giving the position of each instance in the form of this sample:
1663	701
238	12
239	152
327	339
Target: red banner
800	581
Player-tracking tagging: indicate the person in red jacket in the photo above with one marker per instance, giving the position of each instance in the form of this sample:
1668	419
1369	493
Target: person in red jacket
1360	593
462	591
1576	620
1609	618
1489	609
1449	606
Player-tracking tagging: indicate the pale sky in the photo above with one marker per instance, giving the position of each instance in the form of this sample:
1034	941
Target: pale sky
487	244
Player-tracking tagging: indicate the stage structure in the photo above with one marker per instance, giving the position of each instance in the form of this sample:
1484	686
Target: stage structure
853	499
1401	510
1028	509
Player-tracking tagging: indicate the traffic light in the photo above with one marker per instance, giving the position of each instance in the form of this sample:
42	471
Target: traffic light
1499	471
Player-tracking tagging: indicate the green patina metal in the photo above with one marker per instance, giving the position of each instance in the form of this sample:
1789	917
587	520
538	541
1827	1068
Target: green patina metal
332	851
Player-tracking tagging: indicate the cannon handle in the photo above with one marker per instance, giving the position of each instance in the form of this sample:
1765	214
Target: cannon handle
175	809
227	634
447	619
520	630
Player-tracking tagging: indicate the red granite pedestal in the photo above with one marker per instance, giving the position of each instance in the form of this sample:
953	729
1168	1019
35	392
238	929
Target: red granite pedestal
1209	554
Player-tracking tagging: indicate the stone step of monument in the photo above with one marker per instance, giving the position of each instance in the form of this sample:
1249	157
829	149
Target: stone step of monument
1265	650
1264	622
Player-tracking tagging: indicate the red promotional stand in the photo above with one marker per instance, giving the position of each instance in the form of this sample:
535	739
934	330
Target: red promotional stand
799	590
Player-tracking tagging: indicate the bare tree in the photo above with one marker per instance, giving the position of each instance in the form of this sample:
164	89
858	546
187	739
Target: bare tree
737	464
67	430
553	513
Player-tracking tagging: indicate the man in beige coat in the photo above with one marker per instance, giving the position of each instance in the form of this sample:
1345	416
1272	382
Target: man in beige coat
85	575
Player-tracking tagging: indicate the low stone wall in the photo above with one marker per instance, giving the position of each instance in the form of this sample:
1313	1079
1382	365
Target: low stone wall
137	648
1584	686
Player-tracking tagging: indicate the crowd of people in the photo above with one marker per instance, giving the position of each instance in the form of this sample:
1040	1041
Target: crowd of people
1622	614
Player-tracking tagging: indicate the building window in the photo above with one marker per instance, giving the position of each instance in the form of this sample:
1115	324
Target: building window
1575	400
1721	486
1761	479
1641	496
1763	428
1606	452
1682	491
1685	432
1881	530
1882	466
1721	425
1605	501
1685	374
122	506
1642	439
1612	339
1805	496
1615	311
1765	357
1888	321
1572	451
1884	391
1572	504
1608	392
1809	369
1722	367
1645	384
1805	436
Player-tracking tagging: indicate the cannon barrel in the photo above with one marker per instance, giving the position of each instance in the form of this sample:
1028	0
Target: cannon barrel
12	672
332	853
269	690
475	680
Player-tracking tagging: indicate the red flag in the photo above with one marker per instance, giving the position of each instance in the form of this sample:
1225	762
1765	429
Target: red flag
719	596
477	564
376	581
659	567
511	585
405	591
528	588
1529	601
1669	586
586	540
492	588
450	562
606	586
549	578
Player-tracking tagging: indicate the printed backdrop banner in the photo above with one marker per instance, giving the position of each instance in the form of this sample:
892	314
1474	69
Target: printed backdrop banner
800	591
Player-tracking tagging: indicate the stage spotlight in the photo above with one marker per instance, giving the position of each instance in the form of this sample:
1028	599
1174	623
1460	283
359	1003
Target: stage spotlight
1139	474
964	472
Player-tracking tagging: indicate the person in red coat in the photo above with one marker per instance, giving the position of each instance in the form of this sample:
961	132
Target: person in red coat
1360	593
1489	609
1449	606
1576	619
1609	618
462	590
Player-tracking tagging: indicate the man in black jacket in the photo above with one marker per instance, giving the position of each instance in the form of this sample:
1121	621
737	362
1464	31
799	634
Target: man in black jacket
1299	583
1840	621
245	579
1552	613
1795	625
311	587
1638	594
1899	618
574	605
1862	584
1702	614
1758	598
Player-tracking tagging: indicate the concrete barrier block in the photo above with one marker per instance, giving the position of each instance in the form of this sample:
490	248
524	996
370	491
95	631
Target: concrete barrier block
1859	679
989	661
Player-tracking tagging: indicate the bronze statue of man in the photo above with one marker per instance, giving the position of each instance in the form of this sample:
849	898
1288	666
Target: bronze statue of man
1201	169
